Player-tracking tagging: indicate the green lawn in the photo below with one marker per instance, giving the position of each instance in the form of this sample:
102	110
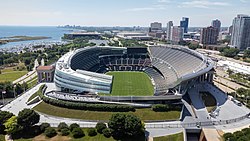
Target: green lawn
12	73
131	84
174	137
32	82
144	114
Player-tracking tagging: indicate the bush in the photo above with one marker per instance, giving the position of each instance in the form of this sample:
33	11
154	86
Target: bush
100	126
62	125
65	132
160	108
165	108
106	132
50	132
43	126
91	132
73	126
77	133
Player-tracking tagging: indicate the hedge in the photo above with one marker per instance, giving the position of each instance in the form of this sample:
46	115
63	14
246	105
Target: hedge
165	108
87	106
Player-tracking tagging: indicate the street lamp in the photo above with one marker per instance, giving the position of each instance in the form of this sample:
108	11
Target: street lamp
3	92
14	89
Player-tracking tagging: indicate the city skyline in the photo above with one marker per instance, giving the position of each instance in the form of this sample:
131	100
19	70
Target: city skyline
120	13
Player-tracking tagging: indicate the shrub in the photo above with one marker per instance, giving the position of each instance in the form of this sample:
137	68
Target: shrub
65	132
62	125
50	132
100	126
160	108
91	132
77	132
73	126
106	132
43	126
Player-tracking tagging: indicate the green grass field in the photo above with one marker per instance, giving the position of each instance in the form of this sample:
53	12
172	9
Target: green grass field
12	73
131	84
174	137
144	114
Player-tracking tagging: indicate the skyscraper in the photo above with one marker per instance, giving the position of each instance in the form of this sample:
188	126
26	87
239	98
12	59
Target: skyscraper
168	31
176	34
184	24
209	36
241	32
216	23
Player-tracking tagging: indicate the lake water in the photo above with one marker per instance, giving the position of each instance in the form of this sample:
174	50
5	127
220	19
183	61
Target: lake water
48	31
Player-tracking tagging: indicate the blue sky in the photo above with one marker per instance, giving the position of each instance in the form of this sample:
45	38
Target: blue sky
119	12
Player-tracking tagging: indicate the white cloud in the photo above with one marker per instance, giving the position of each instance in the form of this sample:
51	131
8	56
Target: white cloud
153	8
202	4
244	1
164	1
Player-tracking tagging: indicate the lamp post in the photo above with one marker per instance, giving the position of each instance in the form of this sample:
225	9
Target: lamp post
3	92
14	89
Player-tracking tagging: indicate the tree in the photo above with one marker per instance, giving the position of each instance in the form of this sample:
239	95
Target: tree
43	126
11	126
125	126
247	53
77	132
73	126
4	116
91	132
27	118
65	132
100	126
62	125
106	132
50	132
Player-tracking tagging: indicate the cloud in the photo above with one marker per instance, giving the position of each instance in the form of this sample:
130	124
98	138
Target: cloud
244	1
164	1
202	4
152	8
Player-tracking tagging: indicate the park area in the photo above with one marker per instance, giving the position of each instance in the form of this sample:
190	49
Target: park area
131	84
12	73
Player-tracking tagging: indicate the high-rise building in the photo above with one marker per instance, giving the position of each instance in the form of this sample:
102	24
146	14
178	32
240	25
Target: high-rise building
155	27
176	34
241	32
184	24
168	31
209	36
216	23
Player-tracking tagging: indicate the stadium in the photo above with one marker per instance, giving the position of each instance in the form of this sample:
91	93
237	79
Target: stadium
132	74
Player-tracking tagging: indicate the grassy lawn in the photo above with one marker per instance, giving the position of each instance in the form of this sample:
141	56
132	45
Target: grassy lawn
209	101
12	73
35	94
174	137
32	82
131	83
144	114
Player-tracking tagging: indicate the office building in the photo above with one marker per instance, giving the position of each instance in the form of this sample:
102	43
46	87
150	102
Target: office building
209	36
217	24
184	23
155	27
176	34
168	31
241	32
